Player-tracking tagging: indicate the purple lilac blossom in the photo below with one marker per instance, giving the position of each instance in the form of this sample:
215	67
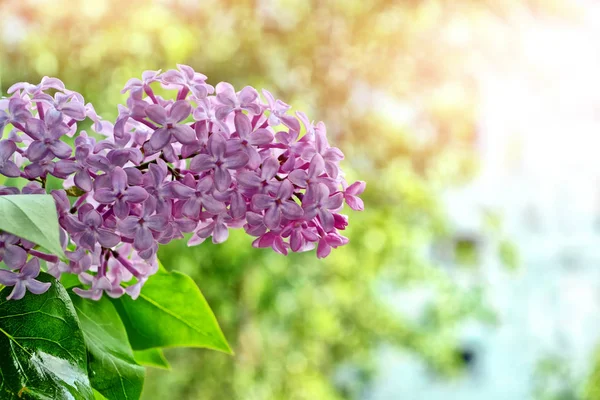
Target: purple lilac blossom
203	161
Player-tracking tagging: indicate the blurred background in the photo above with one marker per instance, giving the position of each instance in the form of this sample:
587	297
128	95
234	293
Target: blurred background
474	272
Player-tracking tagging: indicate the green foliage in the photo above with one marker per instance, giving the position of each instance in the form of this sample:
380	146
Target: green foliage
407	129
42	349
591	386
32	217
151	358
112	368
169	312
98	396
55	346
509	254
554	380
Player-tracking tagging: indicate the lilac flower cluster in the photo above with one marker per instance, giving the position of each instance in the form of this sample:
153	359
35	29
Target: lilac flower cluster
208	160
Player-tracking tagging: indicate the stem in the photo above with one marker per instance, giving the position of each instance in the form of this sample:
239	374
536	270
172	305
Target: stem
183	93
102	269
108	214
31	179
147	123
22	129
40	110
46	257
126	264
255	120
78	203
173	171
150	93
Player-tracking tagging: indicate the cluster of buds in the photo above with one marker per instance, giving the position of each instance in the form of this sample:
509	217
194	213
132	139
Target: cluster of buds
204	161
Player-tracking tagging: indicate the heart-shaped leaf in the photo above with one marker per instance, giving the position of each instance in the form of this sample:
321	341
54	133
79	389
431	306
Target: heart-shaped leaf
170	312
42	349
112	368
32	217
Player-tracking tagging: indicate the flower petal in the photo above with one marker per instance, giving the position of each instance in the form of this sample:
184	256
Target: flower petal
36	151
7	148
107	238
269	168
222	178
202	162
135	194
298	177
222	112
119	180
128	226
261	136
248	179
191	208
157	222
251	108
285	190
157	114
121	209
355	202
334	202
14	256
36	128
262	201
316	167
291	210
242	125
160	138
236	160
220	233
273	217
37	287
83	181
184	134
217	145
64	168
180	110
104	196
226	94
60	149
356	188
323	249
327	219
10	170
143	239
31	269
92	218
18	292
212	205
247	95
8	278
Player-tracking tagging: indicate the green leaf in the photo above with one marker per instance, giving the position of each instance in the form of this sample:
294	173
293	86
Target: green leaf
152	358
32	217
170	312
112	368
509	254
69	280
42	350
98	395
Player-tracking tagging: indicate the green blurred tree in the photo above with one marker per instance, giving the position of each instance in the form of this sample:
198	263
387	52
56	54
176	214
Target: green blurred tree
397	93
